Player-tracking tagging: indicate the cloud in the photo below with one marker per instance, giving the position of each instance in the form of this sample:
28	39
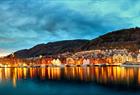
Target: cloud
24	23
4	52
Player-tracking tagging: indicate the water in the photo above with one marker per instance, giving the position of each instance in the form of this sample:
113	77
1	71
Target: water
70	80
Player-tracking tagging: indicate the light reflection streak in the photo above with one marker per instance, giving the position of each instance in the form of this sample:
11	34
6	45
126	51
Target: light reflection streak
102	75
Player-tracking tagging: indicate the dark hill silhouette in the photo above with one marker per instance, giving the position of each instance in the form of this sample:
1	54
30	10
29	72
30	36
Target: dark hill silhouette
52	48
125	38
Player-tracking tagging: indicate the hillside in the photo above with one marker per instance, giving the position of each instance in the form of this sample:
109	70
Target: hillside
125	38
52	48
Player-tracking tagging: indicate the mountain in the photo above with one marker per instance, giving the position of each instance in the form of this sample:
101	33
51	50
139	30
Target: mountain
52	48
125	38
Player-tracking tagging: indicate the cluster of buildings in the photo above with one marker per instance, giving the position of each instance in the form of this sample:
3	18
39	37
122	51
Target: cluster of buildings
110	56
92	57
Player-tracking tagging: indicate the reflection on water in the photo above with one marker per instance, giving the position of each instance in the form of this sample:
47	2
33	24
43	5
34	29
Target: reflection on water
122	76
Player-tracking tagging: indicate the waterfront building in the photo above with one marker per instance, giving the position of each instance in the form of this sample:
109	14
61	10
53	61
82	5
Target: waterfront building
43	61
109	60
117	58
70	61
86	62
95	61
125	57
130	58
138	57
56	62
79	61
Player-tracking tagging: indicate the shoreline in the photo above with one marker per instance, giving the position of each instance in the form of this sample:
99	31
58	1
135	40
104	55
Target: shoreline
62	66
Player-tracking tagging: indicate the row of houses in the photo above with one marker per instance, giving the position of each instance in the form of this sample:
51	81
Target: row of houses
114	56
81	58
115	59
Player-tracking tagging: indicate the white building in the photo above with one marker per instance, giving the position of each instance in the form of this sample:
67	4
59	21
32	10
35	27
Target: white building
56	62
86	62
138	57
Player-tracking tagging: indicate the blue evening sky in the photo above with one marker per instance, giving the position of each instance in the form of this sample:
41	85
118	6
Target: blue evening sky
25	23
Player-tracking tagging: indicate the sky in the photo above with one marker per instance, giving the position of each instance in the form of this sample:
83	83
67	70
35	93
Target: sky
26	23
